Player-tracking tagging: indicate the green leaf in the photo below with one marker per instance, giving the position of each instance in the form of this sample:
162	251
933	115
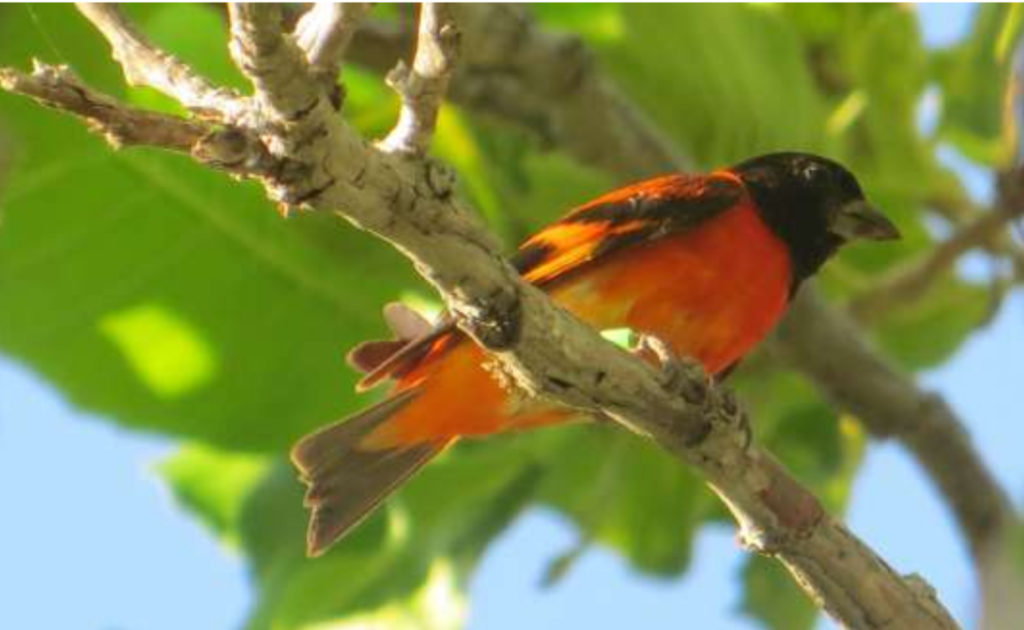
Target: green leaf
438	604
191	307
708	75
974	77
888	63
1009	33
820	448
930	331
213	485
166	296
447	515
623	492
771	596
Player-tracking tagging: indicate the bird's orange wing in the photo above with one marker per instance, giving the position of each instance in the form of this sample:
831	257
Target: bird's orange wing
629	216
626	217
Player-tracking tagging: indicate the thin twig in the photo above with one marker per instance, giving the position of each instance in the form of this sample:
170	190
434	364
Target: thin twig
424	85
121	125
228	148
325	31
145	64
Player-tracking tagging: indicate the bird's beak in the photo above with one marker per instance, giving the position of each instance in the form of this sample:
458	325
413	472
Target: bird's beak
859	220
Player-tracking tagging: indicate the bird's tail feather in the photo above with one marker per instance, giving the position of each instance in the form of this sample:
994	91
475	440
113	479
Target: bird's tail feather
347	482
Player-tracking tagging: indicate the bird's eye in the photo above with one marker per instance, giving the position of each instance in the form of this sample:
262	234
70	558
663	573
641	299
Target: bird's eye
813	172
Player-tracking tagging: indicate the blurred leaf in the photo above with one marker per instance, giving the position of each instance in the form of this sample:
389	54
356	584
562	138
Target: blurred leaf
518	188
1009	33
792	421
928	333
771	596
438	604
712	79
974	76
624	492
888	62
213	485
447	514
182	269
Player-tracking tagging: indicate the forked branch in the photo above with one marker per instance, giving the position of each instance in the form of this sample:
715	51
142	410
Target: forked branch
144	64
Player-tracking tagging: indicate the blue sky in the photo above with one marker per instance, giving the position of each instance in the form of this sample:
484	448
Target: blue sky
91	539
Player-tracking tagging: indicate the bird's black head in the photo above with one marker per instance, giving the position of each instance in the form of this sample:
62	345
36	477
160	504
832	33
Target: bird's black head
813	204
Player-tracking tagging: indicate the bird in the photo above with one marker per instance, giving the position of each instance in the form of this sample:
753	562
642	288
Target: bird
704	263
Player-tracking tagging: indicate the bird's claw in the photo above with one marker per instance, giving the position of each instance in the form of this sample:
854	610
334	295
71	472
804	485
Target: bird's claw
734	415
687	377
679	374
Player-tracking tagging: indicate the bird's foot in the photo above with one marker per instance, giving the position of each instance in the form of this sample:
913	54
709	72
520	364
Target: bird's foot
679	373
730	410
687	377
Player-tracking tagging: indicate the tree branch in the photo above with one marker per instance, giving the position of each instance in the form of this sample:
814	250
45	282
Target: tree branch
145	64
121	125
323	164
960	212
285	88
423	86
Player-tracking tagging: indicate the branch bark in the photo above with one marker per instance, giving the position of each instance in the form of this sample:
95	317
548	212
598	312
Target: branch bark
321	163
